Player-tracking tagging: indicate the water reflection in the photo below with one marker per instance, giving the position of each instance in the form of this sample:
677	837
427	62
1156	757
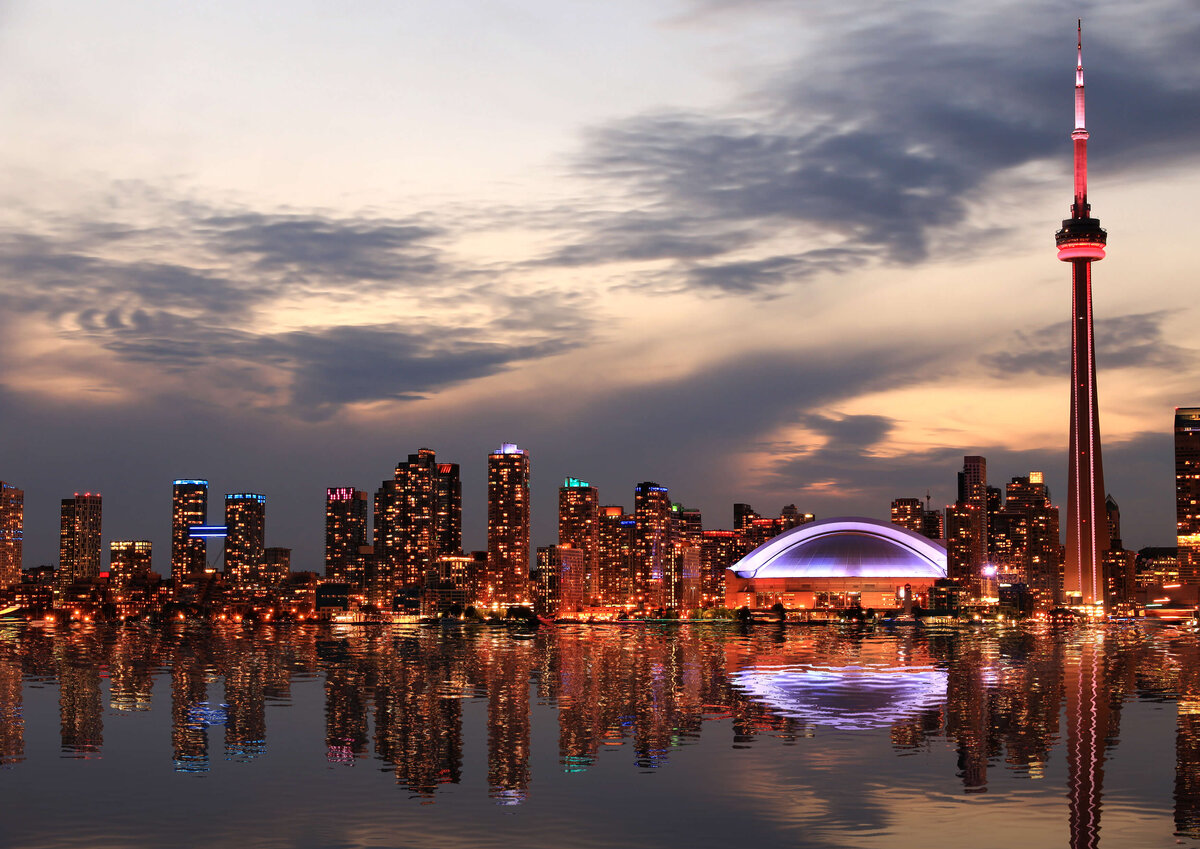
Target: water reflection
994	702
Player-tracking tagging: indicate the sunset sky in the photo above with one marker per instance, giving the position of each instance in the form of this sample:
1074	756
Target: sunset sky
775	252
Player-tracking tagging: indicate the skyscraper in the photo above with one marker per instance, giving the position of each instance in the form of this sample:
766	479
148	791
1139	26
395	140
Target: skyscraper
79	537
418	516
245	522
1187	492
909	513
345	533
1081	242
189	507
616	541
127	560
579	527
447	509
508	524
12	532
652	540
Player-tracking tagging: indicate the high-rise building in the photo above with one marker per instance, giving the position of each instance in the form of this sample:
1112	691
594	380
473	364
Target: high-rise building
973	490
79	537
579	528
128	560
909	513
508	524
962	542
345	533
652	541
1187	492
418	516
12	533
245	523
447	509
275	567
189	507
681	577
1029	535
1081	242
558	582
616	543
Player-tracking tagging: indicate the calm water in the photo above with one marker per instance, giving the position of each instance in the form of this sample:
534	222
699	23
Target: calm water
602	736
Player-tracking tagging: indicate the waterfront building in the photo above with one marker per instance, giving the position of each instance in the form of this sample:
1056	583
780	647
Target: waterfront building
652	541
128	560
1026	539
508	525
447	509
1081	241
1187	492
12	533
616	545
189	508
963	544
559	581
345	534
79	538
681	581
418	516
449	586
245	523
719	549
276	566
837	563
579	528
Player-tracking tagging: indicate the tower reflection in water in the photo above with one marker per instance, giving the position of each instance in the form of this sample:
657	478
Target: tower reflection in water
397	695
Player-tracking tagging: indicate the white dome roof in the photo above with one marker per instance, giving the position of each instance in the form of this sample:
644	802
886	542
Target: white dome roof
848	547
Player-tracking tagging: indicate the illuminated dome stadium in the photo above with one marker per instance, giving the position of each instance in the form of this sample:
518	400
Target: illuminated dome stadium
836	563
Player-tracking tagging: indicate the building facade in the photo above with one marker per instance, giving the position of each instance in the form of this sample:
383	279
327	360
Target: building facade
1187	492
245	523
579	528
12	534
508	525
79	537
346	513
189	508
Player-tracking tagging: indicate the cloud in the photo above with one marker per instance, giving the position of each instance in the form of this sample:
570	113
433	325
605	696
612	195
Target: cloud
876	142
212	316
1130	341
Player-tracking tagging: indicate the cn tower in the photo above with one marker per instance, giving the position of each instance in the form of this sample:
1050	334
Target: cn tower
1081	242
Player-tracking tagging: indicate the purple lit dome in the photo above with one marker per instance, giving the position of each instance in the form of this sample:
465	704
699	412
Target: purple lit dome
845	548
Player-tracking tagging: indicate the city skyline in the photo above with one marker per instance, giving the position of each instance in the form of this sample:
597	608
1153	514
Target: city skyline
678	278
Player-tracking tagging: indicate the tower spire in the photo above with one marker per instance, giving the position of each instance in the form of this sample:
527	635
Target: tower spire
1080	207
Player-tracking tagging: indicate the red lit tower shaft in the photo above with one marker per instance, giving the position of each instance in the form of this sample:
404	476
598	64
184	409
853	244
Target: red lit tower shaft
1081	241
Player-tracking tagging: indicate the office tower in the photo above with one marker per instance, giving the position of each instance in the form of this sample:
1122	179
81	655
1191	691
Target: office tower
418	516
79	538
345	533
1030	523
447	509
12	532
245	523
719	549
681	578
128	560
616	542
1080	242
559	581
189	507
909	513
743	515
276	566
652	541
508	524
791	517
1187	492
579	527
688	523
973	490
934	525
962	542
